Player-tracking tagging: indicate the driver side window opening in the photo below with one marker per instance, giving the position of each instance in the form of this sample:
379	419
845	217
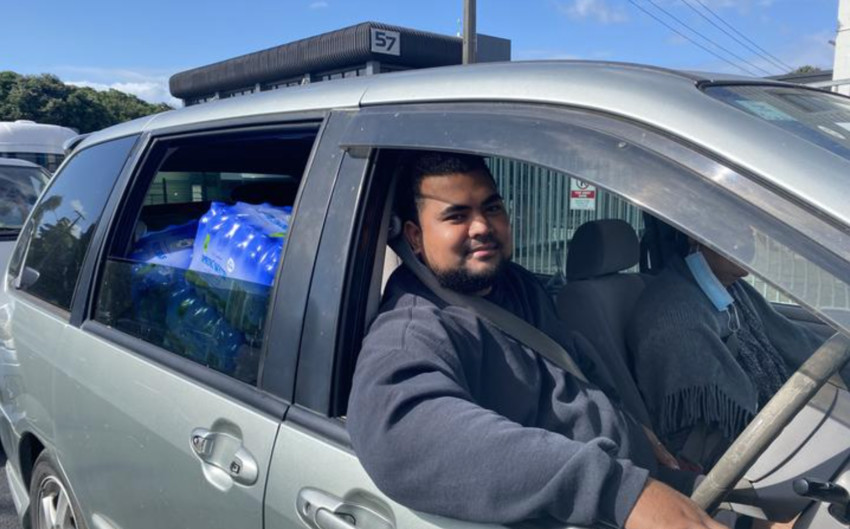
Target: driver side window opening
548	208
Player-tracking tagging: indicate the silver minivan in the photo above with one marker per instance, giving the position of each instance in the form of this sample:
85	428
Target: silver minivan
168	366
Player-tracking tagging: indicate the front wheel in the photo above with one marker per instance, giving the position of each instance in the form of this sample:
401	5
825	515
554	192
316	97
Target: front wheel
51	503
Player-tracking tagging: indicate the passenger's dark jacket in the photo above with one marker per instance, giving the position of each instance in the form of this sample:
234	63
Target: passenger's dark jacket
687	363
451	416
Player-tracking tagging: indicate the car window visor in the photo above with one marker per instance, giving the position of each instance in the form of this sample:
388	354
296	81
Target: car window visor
519	329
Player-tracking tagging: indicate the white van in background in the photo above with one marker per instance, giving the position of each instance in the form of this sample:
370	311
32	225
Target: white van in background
34	142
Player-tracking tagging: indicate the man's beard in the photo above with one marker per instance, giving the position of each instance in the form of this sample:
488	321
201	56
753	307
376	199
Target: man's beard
463	281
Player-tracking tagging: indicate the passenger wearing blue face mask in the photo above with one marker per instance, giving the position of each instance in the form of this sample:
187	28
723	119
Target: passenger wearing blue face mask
709	351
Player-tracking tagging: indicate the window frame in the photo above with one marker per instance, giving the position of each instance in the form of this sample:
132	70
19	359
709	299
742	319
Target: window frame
526	132
314	182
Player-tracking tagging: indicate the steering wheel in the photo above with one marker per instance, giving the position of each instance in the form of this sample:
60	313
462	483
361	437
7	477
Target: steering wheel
791	398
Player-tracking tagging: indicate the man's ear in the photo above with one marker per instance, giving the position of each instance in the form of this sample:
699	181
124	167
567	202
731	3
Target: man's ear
413	234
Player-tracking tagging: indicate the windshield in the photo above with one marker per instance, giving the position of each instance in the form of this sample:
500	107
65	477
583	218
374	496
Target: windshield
19	189
819	117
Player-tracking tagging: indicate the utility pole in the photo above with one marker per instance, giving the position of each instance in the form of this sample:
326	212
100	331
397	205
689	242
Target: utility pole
841	63
470	38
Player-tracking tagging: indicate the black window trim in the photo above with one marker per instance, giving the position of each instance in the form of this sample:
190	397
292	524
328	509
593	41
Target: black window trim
413	125
278	372
324	327
259	396
81	298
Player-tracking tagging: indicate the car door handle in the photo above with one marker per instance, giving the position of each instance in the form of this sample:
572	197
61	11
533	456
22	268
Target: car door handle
226	453
322	510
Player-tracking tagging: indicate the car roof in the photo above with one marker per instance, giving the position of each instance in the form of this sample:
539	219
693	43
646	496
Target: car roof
664	99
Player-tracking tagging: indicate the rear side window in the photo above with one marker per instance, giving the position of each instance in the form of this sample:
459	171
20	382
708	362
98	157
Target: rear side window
62	224
195	256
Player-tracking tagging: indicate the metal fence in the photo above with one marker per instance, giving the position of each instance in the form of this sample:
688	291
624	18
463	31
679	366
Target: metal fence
803	277
543	221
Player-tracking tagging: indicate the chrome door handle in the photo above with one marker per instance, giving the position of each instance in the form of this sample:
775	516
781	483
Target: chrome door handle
322	510
225	452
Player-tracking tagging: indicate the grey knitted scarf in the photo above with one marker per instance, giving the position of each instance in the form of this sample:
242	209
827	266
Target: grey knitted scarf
756	354
692	369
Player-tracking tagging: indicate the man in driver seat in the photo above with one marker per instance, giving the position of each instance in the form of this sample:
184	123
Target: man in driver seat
452	416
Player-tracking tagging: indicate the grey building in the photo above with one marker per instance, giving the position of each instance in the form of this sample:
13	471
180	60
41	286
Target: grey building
364	49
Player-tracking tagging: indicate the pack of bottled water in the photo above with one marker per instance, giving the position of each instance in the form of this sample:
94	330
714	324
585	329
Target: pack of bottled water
171	246
241	241
207	282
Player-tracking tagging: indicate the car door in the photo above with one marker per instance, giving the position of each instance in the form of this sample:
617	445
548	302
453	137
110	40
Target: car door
315	478
44	271
158	418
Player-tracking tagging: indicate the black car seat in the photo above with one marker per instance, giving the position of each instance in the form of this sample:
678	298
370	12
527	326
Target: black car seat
598	299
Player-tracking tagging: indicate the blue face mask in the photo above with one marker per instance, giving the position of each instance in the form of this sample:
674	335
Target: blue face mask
708	282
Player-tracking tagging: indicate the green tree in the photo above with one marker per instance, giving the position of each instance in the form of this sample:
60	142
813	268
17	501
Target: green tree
46	99
808	68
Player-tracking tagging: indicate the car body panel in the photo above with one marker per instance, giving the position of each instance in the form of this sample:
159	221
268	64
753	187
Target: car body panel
135	434
303	461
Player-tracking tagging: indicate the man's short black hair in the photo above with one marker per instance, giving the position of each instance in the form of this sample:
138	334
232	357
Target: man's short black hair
418	165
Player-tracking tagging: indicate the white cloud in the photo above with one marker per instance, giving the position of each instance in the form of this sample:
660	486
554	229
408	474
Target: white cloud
597	10
321	4
151	92
148	85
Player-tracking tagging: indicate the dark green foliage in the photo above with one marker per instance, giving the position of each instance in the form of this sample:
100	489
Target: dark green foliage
46	99
806	69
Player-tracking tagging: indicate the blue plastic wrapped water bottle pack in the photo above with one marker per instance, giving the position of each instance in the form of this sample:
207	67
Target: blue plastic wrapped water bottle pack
171	246
241	241
214	276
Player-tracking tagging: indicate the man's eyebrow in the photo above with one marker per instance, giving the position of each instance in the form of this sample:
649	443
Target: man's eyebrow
460	208
495	197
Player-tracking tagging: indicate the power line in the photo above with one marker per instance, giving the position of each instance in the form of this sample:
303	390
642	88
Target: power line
692	41
770	58
718	17
703	37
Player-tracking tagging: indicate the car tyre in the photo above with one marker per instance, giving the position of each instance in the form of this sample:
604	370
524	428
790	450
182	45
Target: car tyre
52	505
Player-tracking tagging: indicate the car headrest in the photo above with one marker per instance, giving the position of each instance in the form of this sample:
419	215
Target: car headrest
394	227
602	247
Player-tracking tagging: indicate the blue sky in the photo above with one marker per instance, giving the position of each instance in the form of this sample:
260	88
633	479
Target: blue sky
136	46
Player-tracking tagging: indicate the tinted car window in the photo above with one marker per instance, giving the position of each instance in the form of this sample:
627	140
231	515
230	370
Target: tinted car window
202	244
65	218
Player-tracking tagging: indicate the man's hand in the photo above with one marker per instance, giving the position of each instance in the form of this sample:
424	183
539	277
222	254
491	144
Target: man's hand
660	507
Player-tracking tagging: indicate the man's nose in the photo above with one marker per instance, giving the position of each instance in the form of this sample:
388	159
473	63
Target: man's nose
479	226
